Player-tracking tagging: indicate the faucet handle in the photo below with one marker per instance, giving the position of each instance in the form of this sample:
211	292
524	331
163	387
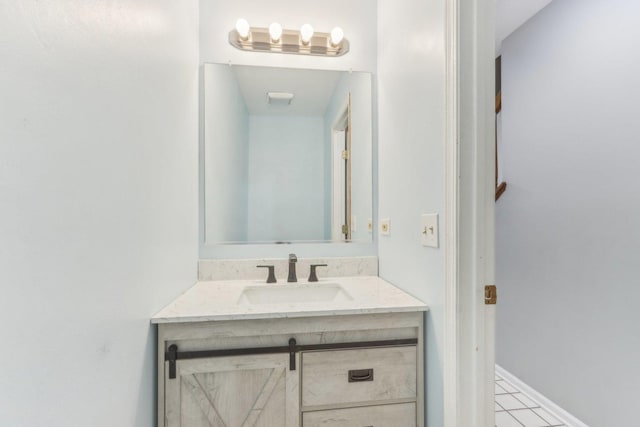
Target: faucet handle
312	275
272	273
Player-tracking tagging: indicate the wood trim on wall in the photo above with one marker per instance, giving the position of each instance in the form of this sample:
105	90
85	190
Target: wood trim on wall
501	187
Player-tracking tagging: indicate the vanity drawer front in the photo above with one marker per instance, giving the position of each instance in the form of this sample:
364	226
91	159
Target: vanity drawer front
402	415
359	375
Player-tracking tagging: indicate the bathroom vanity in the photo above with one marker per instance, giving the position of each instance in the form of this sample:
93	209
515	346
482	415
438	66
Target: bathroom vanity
340	352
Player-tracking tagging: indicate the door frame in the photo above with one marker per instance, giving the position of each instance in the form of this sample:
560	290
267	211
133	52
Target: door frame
338	182
469	336
341	126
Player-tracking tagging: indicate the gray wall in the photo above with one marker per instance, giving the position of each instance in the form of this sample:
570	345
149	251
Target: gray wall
411	81
568	227
98	197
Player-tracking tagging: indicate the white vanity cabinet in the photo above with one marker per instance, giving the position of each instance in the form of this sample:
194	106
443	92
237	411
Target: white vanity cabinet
340	371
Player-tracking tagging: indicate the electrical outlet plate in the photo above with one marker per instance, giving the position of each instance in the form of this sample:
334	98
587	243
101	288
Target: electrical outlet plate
385	227
429	230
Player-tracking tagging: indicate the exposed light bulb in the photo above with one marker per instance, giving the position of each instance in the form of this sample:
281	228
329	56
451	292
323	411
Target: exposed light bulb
336	36
306	32
275	31
243	28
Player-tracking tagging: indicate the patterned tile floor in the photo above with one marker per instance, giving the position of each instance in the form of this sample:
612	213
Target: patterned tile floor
516	409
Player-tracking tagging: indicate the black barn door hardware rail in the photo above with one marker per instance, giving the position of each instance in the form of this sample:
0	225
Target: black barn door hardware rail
172	355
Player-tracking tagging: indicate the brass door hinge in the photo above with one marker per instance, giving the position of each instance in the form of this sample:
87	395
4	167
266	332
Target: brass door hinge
345	155
345	229
490	294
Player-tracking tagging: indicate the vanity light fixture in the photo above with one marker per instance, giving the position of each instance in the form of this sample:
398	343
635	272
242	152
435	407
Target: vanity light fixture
275	31
337	35
275	39
243	29
306	32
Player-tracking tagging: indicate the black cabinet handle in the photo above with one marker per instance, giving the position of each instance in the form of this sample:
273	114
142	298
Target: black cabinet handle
360	375
171	355
292	354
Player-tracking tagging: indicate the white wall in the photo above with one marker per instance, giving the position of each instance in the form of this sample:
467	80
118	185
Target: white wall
226	154
568	226
411	81
286	178
358	18
98	189
510	15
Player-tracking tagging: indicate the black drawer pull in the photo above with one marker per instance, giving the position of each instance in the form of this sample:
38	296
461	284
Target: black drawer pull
360	375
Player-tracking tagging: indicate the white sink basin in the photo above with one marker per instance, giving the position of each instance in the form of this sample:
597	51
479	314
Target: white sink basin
293	293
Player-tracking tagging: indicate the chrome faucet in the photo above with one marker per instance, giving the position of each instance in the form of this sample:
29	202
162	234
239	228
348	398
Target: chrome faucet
292	268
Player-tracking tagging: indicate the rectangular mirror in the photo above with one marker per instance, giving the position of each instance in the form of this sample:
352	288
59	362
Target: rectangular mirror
287	155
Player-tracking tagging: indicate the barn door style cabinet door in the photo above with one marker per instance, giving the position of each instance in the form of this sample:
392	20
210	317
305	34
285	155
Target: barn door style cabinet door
244	391
342	371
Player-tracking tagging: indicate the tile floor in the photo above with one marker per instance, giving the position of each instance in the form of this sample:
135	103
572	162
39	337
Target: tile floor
516	409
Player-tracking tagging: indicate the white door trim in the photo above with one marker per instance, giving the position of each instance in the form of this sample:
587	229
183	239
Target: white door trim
469	342
450	363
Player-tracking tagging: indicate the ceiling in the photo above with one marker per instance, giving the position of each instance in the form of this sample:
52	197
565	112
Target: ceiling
511	14
312	89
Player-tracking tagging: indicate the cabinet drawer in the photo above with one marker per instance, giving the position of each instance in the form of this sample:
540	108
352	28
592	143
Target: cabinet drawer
402	415
355	376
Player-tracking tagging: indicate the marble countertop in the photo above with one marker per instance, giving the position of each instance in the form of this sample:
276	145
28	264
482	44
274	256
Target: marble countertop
224	300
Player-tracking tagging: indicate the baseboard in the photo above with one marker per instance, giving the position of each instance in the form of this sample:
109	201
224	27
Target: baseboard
539	398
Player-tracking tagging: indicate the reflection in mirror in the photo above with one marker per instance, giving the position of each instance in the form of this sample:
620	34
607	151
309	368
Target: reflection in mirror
287	155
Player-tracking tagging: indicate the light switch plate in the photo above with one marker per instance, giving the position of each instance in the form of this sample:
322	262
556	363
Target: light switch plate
385	227
429	230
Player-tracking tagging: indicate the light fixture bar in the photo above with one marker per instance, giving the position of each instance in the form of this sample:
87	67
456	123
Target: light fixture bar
259	40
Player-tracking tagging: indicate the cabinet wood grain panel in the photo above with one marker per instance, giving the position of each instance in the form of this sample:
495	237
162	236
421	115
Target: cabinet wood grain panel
402	415
239	391
325	375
